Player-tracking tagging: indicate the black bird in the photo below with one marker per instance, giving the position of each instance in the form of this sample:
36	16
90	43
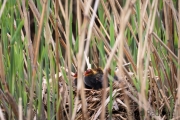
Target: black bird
93	78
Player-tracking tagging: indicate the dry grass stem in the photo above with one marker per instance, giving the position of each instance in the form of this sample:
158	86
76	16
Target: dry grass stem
35	60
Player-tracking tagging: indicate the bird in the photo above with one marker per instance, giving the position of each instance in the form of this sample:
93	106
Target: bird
93	78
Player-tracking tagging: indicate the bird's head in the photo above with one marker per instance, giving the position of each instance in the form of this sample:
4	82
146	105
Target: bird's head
89	72
99	70
93	71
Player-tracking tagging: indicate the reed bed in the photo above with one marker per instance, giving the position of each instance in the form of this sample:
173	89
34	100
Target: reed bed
43	43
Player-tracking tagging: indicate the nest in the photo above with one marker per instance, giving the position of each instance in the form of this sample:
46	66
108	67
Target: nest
122	106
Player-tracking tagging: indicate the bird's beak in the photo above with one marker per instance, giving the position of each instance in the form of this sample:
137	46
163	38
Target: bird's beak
75	75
